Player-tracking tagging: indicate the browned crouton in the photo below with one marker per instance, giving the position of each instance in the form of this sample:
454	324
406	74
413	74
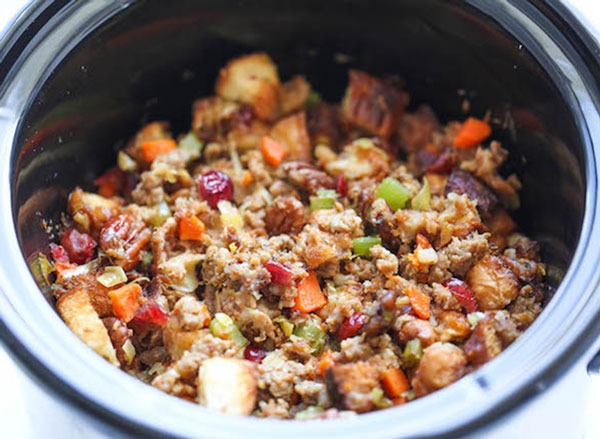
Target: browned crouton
78	313
441	365
228	385
483	344
292	133
90	211
350	385
494	285
252	79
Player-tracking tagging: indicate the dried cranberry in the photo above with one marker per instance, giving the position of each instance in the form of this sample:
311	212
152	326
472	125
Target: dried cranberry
462	291
79	246
254	354
58	252
341	185
442	164
151	313
280	274
215	186
351	326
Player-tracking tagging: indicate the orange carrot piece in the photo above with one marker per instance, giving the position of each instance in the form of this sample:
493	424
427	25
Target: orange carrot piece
309	297
472	132
247	179
325	362
190	228
153	148
125	301
422	241
394	383
273	151
419	302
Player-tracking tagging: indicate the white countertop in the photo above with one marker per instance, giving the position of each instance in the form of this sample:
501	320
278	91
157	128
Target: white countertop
18	398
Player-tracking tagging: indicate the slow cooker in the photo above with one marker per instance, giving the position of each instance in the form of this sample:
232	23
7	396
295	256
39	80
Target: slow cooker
75	77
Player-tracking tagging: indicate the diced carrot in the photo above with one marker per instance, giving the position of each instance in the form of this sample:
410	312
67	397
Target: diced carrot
190	228
472	132
273	151
247	178
422	241
325	362
419	302
309	297
125	301
394	383
61	266
153	148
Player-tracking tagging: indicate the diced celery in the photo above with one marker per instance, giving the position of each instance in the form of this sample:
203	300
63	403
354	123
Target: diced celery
191	143
362	246
222	326
393	192
129	351
313	334
308	413
313	99
113	275
413	351
323	200
286	326
422	200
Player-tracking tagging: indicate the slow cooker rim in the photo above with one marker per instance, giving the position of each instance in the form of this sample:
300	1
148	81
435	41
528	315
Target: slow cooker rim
73	394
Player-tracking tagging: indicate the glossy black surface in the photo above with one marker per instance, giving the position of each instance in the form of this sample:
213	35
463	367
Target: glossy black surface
151	62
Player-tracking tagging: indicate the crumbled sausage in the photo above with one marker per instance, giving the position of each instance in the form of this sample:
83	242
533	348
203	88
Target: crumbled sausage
493	284
441	365
416	129
285	215
462	182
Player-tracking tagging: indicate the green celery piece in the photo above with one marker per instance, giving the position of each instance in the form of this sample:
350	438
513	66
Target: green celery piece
362	246
393	192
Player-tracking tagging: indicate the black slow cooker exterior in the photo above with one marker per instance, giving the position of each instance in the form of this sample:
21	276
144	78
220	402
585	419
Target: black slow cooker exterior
77	78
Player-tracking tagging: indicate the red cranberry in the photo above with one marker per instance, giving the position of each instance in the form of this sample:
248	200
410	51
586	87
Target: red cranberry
58	252
341	185
280	274
254	354
79	246
151	313
351	326
462	291
442	164
215	186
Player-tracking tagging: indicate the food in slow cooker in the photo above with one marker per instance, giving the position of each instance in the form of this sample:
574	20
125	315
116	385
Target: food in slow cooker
294	258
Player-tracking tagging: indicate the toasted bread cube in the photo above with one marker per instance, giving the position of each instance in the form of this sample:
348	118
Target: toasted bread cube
294	94
252	79
292	133
78	313
90	211
228	385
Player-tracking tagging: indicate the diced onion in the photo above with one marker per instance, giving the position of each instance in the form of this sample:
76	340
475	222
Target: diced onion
191	143
230	216
129	351
426	256
113	275
475	317
308	413
126	163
